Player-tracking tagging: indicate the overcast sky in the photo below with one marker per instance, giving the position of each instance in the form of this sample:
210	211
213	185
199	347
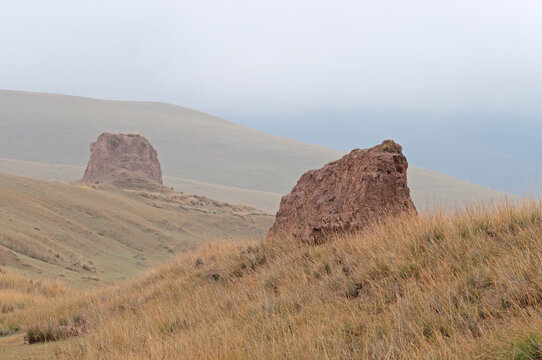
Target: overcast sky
328	72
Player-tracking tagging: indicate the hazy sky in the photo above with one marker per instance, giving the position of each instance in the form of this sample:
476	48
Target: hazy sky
254	56
337	73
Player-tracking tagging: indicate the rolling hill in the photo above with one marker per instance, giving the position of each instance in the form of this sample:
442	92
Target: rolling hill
47	136
82	234
435	286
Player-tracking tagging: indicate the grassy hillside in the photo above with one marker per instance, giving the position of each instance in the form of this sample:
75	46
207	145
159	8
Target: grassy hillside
87	235
436	286
199	153
190	144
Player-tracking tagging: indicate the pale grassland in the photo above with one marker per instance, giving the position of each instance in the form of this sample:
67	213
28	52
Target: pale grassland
93	236
199	153
436	286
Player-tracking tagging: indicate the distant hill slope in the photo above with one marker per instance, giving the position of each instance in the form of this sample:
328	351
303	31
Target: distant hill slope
198	152
85	234
190	144
264	200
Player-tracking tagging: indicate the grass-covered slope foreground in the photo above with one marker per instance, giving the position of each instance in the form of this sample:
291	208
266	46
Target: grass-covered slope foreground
434	287
83	234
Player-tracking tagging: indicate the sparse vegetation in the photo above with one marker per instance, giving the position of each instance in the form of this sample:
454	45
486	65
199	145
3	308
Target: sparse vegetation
430	287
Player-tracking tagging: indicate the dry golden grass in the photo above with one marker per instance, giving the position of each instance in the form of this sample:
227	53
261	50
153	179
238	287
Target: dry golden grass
439	286
19	294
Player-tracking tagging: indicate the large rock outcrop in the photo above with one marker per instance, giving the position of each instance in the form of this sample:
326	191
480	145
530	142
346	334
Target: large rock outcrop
122	156
346	195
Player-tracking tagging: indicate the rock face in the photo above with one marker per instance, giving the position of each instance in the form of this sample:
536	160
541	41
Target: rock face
121	155
346	195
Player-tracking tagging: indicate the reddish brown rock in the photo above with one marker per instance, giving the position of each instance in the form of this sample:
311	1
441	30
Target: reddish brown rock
346	195
115	156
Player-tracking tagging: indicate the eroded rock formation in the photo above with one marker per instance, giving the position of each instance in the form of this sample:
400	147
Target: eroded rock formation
122	155
346	195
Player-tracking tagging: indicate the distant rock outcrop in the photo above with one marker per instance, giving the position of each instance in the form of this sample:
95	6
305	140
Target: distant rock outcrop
346	195
115	156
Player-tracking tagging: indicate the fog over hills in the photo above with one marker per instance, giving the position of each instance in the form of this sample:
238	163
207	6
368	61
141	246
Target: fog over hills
458	84
47	136
493	148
